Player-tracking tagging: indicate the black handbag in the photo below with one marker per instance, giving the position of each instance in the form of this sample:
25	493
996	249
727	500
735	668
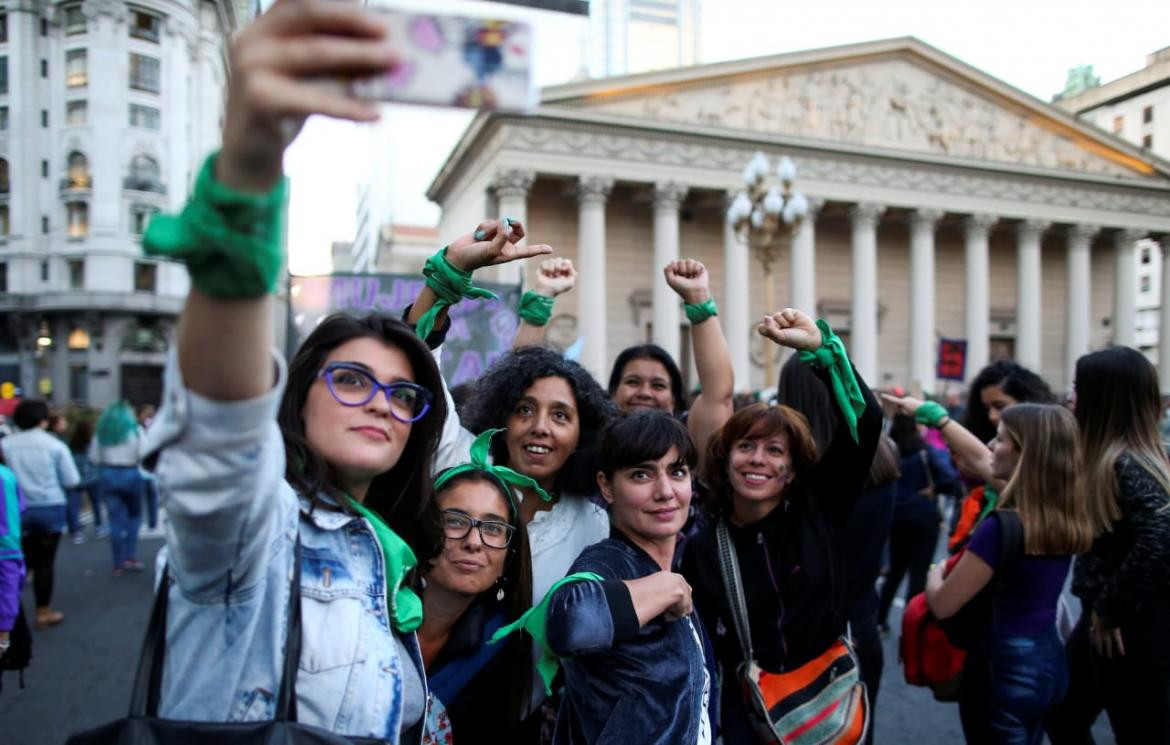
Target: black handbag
19	654
143	726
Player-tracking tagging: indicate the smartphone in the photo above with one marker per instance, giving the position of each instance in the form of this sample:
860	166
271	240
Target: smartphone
449	60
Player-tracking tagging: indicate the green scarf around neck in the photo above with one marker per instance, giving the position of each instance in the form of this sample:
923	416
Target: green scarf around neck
406	609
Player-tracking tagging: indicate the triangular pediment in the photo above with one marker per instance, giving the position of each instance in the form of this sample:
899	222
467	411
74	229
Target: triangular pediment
899	94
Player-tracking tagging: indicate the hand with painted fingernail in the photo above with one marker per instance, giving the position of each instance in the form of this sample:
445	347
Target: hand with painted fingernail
492	242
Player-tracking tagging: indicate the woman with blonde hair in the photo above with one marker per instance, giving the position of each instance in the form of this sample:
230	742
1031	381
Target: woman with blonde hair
1119	653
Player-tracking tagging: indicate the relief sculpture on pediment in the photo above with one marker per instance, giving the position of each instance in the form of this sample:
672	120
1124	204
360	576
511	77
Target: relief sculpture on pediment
891	103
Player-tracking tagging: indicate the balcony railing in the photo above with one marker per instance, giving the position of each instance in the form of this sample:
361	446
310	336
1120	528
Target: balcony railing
137	183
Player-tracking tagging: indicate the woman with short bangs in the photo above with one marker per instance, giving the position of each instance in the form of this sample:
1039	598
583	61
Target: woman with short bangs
785	510
1119	652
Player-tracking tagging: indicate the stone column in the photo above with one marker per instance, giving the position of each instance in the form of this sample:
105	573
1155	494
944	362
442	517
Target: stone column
1080	241
59	367
511	188
922	346
864	330
1164	316
1125	286
802	278
978	319
668	195
735	304
592	192
1028	293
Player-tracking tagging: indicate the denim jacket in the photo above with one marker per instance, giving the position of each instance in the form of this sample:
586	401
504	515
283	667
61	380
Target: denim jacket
231	536
625	684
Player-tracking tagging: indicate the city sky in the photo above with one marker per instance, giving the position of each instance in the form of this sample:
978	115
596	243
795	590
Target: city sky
1030	45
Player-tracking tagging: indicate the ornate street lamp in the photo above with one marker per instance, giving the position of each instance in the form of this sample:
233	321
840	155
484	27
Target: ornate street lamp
766	216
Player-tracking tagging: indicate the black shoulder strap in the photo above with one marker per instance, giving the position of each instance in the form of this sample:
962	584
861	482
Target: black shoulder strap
144	699
1011	540
733	585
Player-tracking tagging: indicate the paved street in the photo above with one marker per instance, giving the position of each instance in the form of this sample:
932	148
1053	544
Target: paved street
82	670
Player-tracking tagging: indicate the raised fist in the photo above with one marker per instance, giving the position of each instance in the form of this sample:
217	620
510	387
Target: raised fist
554	276
689	279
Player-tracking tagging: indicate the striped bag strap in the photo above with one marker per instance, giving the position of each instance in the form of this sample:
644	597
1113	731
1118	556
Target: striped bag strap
733	585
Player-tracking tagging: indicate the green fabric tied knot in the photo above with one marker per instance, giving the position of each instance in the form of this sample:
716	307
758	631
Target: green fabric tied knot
451	285
831	356
930	413
699	312
536	309
231	241
535	622
506	477
406	608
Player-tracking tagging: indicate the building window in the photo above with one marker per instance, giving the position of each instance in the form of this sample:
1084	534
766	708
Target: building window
143	116
144	175
77	214
3	28
44	118
44	68
5	186
1148	142
75	112
44	168
78	177
78	337
44	271
44	27
143	73
1118	124
45	224
145	277
1146	255
1145	284
78	382
144	25
76	69
3	276
3	76
3	220
1147	115
3	118
74	19
76	282
140	215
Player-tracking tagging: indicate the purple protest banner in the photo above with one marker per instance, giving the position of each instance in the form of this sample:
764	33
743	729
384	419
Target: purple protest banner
481	330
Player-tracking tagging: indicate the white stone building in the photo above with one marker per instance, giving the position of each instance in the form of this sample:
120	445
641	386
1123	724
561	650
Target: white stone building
946	204
107	110
1136	108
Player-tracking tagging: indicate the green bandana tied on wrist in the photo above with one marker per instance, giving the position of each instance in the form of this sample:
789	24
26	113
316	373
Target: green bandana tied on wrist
406	610
831	356
535	622
930	413
232	241
535	309
506	477
699	312
451	285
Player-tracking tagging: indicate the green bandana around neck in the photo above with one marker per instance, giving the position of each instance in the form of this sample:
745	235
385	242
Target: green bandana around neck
831	356
406	610
535	622
506	477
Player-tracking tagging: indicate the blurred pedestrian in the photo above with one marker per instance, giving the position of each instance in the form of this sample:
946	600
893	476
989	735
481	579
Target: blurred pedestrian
14	642
79	443
115	450
44	469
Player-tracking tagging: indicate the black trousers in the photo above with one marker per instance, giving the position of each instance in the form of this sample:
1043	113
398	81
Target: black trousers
913	539
1134	690
867	645
40	552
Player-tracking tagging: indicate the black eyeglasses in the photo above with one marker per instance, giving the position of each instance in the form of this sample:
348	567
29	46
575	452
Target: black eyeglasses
351	385
493	533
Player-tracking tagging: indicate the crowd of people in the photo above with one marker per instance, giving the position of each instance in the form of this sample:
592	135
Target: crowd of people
558	561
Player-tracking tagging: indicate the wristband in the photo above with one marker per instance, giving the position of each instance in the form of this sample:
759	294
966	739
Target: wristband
930	413
451	285
231	241
699	312
535	309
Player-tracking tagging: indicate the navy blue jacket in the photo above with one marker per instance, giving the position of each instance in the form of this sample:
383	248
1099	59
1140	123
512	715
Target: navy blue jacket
625	684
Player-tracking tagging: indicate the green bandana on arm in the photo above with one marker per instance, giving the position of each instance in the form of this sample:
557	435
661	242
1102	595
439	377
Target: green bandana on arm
232	241
831	356
450	285
406	610
535	309
930	413
699	312
535	622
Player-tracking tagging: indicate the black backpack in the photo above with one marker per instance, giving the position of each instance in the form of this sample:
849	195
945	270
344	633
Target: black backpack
19	652
971	626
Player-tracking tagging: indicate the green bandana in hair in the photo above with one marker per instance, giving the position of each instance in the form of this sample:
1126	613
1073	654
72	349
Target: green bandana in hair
116	424
406	610
504	475
535	622
831	356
